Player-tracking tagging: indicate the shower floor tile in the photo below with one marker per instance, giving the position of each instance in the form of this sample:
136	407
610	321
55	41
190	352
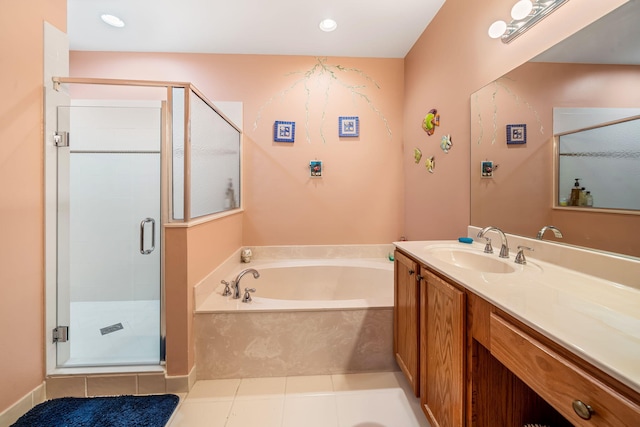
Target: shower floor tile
114	332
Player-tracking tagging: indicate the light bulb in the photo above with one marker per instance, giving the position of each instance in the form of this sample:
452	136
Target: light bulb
497	29
521	10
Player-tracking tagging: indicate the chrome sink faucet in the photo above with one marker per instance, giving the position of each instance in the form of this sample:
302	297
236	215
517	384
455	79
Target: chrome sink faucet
555	230
236	283
504	249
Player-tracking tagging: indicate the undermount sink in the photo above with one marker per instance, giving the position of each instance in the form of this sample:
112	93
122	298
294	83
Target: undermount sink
471	260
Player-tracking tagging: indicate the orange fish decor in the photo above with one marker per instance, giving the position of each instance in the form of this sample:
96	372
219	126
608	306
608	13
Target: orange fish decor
431	120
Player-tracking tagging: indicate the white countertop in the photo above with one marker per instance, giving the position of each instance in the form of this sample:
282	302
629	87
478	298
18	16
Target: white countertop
596	319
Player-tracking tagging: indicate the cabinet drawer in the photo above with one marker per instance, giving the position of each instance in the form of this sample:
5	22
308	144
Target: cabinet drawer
557	380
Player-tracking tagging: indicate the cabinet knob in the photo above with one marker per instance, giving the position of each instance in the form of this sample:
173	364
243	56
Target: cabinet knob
419	278
583	410
411	272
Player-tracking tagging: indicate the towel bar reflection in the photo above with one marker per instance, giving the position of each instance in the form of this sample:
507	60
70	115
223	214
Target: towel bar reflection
145	221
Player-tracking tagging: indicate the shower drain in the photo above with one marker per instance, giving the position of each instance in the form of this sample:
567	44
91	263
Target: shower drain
109	329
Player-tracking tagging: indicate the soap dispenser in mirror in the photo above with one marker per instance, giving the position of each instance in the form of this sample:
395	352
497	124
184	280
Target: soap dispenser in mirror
574	199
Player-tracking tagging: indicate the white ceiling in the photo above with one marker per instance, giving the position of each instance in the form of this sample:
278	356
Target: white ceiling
378	28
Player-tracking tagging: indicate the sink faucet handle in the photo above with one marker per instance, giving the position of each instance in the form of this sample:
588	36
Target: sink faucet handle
227	288
247	295
488	249
520	259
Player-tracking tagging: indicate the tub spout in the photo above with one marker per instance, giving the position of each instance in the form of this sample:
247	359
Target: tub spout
236	283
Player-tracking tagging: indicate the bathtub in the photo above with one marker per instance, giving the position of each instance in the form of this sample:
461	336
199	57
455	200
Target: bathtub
307	317
321	284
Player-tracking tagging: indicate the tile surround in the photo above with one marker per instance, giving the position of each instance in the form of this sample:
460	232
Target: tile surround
73	386
151	384
293	343
112	385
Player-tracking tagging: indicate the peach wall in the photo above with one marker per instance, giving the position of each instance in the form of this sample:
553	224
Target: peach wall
22	194
177	298
360	197
452	59
522	186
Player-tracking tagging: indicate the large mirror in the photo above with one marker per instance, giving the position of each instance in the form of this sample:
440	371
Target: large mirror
514	163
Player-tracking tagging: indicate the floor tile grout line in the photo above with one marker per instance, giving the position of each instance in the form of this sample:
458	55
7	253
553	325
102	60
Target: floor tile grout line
314	395
335	401
284	400
233	402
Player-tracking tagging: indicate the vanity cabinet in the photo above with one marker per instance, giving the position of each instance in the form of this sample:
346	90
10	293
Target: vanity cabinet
406	317
442	345
580	397
479	366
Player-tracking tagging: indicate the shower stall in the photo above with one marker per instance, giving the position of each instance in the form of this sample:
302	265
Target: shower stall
130	161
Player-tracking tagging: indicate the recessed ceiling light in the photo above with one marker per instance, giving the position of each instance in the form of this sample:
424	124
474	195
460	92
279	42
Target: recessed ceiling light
328	25
112	20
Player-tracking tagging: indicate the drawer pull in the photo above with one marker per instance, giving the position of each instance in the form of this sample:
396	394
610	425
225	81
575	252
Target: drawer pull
583	410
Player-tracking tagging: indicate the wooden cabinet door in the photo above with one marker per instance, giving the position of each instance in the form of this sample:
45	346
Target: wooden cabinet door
442	347
406	332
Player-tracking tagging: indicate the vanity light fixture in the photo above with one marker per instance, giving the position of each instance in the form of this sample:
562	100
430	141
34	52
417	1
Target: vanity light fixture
525	14
328	25
112	20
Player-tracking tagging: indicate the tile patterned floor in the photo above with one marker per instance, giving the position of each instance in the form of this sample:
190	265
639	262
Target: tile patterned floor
355	400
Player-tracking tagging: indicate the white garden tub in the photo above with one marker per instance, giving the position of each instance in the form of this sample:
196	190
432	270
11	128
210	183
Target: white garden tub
307	317
320	284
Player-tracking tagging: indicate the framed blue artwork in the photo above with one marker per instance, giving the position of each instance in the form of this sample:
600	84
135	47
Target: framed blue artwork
517	134
348	126
284	131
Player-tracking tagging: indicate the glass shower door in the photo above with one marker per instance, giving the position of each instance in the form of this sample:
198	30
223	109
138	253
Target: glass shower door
109	223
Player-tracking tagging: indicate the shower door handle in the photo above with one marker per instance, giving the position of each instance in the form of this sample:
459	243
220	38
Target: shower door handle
144	251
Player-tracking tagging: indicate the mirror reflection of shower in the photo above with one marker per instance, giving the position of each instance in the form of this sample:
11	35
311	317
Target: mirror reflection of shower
603	155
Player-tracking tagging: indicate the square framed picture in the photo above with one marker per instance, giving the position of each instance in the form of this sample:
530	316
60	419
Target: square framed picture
517	134
315	168
284	131
348	126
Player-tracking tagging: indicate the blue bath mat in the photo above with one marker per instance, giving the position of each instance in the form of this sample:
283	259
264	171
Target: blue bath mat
117	411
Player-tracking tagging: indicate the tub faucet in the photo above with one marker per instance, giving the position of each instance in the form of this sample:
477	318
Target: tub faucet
555	230
236	283
504	249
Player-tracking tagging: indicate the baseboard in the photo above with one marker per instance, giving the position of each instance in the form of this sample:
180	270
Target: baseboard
22	406
110	384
